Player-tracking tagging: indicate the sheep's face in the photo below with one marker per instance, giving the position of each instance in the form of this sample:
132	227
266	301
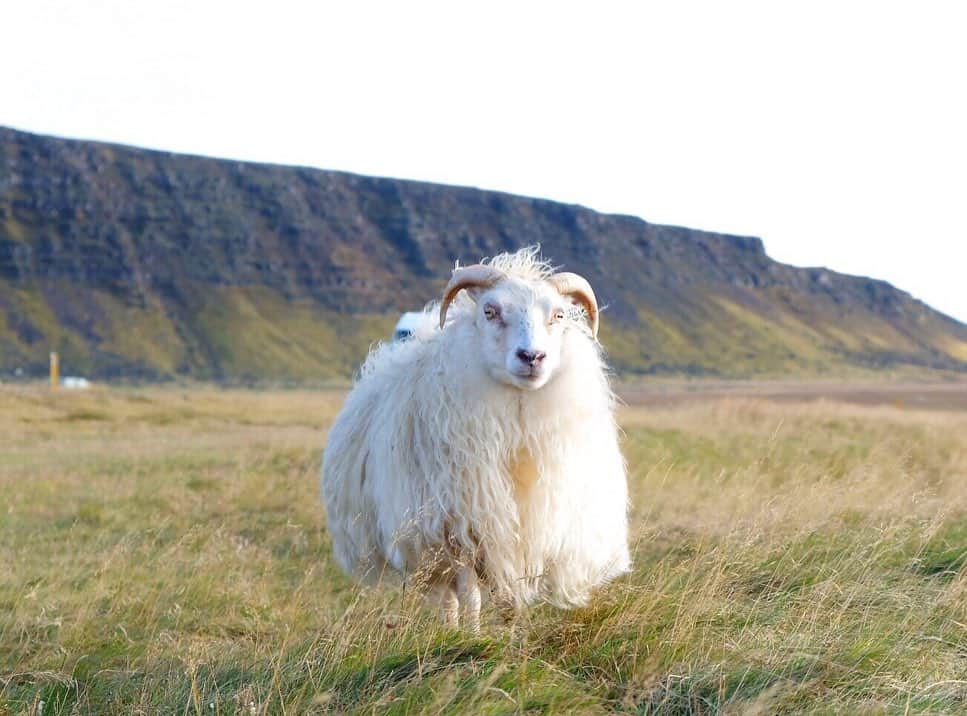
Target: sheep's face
521	326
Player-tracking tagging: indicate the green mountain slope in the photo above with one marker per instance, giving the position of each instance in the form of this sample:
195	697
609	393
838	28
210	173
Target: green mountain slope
148	264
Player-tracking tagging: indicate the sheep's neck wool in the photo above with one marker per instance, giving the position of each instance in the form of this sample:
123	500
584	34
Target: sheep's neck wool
524	473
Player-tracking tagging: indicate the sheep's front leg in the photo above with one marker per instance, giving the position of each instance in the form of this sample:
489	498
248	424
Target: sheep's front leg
449	605
468	596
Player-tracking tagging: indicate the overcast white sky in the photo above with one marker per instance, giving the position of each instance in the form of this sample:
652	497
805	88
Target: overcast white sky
836	131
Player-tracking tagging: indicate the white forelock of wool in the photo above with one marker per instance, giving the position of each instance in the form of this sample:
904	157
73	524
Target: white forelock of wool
485	453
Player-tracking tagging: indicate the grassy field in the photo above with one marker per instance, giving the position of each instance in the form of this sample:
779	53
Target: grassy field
164	551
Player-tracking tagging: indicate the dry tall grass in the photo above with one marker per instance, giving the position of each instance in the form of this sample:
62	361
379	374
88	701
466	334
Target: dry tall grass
164	551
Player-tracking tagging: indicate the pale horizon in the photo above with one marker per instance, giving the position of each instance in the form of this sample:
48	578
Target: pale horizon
833	133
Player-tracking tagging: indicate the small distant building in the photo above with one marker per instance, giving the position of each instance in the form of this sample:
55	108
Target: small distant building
73	382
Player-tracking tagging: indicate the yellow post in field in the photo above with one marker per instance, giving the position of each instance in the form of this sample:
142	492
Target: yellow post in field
54	371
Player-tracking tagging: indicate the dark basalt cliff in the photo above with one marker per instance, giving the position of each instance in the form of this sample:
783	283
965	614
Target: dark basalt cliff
149	264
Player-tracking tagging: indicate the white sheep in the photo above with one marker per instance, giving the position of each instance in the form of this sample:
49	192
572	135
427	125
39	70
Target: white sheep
485	452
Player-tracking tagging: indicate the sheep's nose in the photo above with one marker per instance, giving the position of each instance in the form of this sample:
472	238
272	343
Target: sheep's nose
530	357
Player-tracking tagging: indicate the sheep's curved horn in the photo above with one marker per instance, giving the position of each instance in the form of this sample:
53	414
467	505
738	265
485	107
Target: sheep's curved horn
578	288
478	275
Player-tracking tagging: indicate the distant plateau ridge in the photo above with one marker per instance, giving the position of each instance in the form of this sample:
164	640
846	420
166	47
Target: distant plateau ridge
150	265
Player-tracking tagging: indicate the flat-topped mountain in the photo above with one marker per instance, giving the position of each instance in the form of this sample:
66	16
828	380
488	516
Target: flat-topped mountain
148	264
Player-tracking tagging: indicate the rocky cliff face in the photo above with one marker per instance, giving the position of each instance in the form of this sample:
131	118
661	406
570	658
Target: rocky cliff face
148	264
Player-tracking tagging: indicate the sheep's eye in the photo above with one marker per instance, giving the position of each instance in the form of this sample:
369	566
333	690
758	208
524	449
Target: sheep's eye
490	312
558	315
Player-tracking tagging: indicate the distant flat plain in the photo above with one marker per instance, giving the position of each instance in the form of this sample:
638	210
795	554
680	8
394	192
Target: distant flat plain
928	394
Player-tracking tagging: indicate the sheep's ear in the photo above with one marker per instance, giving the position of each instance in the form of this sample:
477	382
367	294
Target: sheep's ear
477	277
577	288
